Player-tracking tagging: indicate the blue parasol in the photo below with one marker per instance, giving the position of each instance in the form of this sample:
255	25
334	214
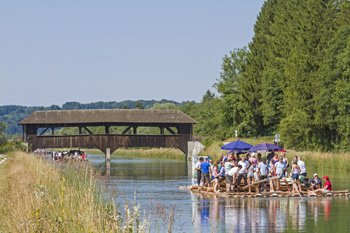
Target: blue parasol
238	146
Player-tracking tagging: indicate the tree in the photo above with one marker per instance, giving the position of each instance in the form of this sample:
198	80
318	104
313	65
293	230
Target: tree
3	138
230	93
294	75
139	105
209	119
165	106
71	105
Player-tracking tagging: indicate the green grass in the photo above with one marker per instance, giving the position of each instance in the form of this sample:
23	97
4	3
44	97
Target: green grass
328	161
36	196
159	153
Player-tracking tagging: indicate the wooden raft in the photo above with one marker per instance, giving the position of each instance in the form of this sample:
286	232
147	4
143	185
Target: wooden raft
223	193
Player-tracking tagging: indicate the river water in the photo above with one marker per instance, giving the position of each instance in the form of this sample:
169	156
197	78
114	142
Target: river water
154	184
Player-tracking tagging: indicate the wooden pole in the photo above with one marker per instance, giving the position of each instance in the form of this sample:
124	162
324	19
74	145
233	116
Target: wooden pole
108	162
260	181
106	129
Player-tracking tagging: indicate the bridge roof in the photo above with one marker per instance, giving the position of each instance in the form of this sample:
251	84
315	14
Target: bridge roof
107	116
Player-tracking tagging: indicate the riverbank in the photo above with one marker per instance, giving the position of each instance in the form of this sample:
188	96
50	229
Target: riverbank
159	153
38	196
318	161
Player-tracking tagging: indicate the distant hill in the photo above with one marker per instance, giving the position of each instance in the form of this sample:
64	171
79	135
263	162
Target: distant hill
13	114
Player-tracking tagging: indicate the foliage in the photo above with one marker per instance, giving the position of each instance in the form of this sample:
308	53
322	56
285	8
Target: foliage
231	92
165	106
12	145
294	78
2	133
13	114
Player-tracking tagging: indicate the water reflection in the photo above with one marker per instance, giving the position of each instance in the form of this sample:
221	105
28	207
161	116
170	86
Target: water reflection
142	169
154	184
257	214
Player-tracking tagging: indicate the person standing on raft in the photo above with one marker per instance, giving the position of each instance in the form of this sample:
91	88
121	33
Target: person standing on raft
206	172
197	167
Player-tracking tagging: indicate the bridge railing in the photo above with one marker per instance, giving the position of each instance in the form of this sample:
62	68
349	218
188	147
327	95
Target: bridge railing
112	141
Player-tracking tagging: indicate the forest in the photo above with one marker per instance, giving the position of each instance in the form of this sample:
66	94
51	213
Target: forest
293	79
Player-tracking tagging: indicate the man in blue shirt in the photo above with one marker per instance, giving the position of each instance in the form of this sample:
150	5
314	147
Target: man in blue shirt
316	182
206	172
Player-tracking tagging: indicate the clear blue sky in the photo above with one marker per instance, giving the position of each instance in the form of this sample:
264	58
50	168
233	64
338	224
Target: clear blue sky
86	51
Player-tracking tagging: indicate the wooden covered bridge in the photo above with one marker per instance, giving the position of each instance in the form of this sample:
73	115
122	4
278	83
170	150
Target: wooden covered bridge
43	129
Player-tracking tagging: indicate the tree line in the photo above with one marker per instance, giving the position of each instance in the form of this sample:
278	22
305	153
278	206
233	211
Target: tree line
292	79
11	115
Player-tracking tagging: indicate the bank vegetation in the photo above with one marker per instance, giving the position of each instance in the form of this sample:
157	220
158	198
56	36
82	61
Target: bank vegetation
38	196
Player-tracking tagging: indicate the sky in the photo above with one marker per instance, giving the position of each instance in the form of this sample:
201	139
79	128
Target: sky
52	52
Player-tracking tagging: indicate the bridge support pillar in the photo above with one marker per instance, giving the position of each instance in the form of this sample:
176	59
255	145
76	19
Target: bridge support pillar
194	148
108	162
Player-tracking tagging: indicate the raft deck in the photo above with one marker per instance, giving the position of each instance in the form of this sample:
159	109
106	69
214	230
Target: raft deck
223	193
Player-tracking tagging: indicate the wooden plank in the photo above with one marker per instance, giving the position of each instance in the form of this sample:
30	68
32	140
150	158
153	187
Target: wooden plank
260	181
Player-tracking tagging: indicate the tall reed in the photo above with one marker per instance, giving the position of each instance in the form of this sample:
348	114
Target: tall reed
319	161
39	197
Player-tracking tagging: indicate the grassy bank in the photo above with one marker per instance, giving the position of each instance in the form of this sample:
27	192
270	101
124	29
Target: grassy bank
39	197
161	153
318	161
12	145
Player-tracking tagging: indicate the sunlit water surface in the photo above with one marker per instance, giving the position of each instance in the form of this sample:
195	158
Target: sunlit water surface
154	184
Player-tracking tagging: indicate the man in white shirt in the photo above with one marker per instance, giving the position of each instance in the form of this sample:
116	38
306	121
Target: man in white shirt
262	170
279	166
232	174
197	167
229	165
242	172
302	167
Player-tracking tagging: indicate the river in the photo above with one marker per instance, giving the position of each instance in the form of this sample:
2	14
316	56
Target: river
154	184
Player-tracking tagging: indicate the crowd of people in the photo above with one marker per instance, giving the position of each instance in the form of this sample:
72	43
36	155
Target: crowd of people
65	155
261	174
